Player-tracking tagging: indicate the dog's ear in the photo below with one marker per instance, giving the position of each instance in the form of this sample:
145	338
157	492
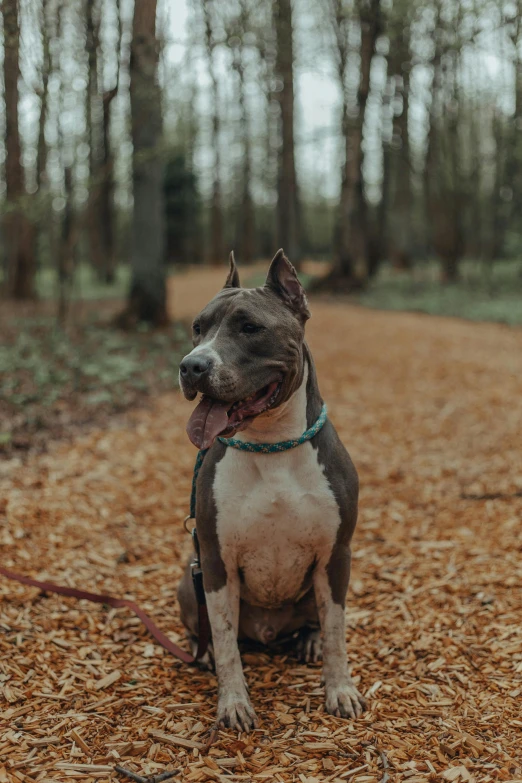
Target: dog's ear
232	280
282	279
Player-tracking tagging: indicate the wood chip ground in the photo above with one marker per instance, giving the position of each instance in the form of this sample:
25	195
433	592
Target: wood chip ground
431	412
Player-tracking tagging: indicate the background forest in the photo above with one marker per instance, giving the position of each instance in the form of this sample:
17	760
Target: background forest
359	132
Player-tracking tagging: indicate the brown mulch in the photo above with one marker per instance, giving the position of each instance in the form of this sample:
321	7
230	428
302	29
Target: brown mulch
430	411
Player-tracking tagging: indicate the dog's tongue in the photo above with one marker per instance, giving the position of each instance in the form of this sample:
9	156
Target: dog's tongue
207	421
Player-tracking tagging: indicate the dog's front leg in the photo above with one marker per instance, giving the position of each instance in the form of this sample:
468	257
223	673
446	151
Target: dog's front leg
234	708
342	697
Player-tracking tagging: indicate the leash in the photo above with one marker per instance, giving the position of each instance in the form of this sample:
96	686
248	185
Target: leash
195	565
109	600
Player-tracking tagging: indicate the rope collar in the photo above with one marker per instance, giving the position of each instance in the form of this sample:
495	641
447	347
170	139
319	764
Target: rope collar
257	448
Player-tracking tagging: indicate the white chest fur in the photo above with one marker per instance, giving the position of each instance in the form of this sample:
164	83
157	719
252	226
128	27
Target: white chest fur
276	513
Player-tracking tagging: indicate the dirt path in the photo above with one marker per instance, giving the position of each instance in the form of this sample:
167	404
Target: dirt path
430	411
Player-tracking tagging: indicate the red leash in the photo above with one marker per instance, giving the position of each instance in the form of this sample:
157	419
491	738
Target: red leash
118	603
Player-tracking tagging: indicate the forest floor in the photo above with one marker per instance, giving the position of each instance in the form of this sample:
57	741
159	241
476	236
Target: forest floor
430	411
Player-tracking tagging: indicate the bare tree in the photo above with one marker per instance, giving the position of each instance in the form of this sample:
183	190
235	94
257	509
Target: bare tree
352	240
287	192
107	216
148	292
442	174
216	210
246	219
397	163
41	160
20	259
93	116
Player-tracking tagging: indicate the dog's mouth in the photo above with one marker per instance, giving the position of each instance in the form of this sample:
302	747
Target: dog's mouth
214	417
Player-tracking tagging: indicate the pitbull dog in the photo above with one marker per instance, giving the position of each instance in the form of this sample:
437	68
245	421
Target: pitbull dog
274	529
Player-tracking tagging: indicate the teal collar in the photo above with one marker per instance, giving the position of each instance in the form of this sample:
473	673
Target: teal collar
257	448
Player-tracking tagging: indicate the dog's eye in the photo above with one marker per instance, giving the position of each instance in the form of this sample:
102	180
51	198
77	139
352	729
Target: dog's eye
251	329
196	328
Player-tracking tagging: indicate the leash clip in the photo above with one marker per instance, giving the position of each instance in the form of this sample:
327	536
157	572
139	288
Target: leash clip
197	573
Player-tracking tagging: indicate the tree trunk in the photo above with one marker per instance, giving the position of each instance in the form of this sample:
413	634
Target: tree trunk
106	210
287	192
354	241
400	225
513	169
20	259
148	293
246	224
381	240
66	250
357	217
93	118
217	252
430	163
106	195
41	152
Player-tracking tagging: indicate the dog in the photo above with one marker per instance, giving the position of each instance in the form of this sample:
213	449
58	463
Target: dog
274	528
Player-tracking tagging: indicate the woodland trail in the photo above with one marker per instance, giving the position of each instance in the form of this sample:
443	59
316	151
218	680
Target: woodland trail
430	410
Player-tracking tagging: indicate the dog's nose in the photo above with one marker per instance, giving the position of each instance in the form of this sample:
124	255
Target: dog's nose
195	367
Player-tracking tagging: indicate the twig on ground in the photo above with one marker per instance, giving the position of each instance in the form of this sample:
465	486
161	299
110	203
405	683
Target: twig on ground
492	496
169	773
212	738
129	774
153	779
385	765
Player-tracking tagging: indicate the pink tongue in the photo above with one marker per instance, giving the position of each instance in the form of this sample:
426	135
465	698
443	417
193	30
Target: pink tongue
207	421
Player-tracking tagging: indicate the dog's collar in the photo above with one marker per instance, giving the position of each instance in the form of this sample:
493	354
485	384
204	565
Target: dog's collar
257	448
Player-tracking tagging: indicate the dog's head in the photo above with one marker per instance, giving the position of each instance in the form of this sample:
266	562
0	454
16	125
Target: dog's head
247	356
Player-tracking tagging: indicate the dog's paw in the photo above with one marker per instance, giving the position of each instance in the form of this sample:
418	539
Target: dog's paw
309	646
236	712
344	701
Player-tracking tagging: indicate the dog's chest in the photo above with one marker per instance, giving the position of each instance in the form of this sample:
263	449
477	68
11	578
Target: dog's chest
276	516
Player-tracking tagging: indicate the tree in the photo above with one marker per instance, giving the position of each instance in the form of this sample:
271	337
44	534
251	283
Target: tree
148	290
246	218
107	216
352	234
396	153
93	115
287	189
41	159
443	171
216	209
20	260
182	209
340	21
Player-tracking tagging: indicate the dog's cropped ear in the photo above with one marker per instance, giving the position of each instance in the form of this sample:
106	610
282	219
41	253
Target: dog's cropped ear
232	280
282	279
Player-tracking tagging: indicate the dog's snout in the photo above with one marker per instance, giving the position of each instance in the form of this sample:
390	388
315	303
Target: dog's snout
195	367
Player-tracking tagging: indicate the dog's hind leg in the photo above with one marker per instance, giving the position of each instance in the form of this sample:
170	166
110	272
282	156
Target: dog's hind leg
309	647
309	644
